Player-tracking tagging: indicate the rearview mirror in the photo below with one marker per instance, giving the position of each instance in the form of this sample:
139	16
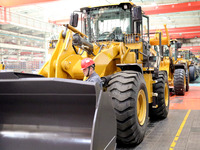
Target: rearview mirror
74	20
137	13
179	45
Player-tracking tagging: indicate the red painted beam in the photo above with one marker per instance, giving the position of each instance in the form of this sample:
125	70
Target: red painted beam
182	32
14	3
172	8
180	29
185	35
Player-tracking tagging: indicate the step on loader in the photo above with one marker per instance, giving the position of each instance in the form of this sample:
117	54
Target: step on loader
59	109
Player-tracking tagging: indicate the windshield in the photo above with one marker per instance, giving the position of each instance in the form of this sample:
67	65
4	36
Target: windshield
165	50
184	54
109	23
173	49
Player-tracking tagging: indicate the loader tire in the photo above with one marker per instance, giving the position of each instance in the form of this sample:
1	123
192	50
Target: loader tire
187	80
161	87
192	70
179	82
130	102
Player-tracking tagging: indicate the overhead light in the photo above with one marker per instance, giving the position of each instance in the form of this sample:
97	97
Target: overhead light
125	7
84	11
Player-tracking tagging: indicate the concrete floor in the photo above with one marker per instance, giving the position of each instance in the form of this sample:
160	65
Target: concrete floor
181	129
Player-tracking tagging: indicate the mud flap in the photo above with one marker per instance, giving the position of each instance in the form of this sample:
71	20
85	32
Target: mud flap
51	113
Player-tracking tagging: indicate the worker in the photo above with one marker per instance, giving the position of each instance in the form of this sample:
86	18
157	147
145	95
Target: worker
88	67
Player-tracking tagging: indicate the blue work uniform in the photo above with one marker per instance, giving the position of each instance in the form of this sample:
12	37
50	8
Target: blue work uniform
95	78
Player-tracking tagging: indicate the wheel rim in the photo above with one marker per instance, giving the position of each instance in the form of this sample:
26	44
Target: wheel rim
166	94
141	107
185	83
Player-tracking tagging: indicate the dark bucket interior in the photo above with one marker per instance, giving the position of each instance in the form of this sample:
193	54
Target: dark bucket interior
41	113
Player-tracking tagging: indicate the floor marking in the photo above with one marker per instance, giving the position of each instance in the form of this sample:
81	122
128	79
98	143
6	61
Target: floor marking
196	84
179	130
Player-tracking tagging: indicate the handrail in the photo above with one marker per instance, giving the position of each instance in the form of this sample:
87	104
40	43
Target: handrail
14	18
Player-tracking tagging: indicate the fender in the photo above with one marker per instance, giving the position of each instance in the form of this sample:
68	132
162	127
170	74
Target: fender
134	67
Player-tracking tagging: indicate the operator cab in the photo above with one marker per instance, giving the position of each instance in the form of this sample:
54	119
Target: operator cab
113	22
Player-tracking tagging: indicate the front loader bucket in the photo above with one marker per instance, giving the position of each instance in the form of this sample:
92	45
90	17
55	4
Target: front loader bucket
54	114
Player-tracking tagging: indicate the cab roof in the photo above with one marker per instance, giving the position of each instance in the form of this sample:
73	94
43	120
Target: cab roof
129	4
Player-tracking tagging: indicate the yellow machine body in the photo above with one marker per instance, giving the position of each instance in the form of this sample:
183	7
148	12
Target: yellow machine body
65	63
2	66
184	57
164	40
165	63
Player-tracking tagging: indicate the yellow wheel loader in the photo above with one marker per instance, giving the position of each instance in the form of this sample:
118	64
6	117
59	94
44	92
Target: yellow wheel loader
177	72
57	110
181	75
196	64
193	67
161	45
185	57
2	66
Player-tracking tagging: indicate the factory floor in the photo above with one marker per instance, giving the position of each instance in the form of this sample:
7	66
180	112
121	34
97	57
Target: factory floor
181	129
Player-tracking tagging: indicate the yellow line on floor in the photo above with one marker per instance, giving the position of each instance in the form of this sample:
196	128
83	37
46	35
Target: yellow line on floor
179	130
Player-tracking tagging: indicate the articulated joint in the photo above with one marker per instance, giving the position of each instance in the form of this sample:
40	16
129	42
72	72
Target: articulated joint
155	100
